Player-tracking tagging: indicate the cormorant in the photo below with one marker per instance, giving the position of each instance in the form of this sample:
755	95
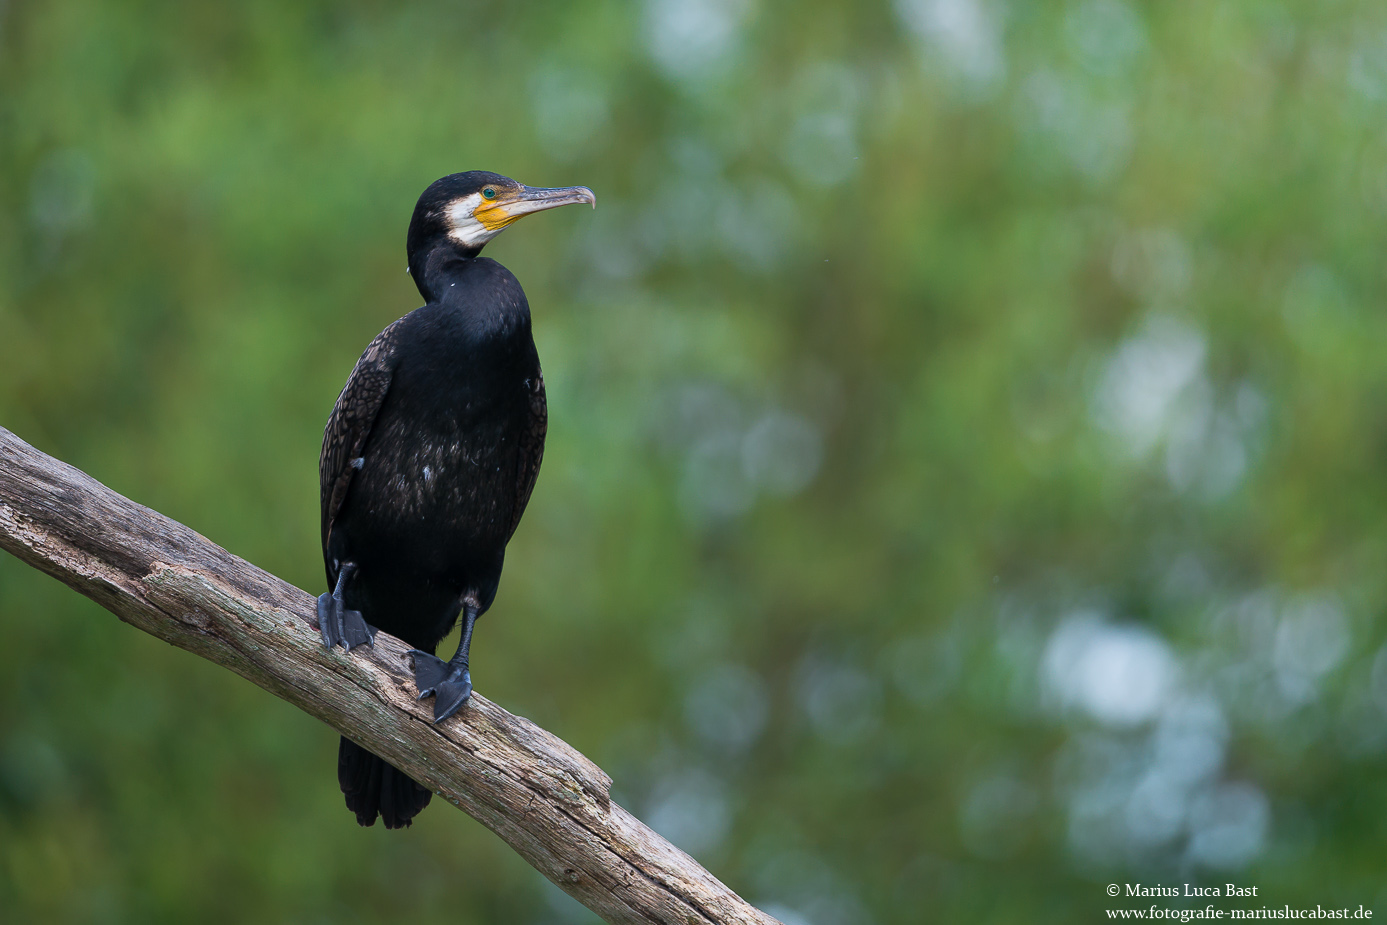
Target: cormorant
429	457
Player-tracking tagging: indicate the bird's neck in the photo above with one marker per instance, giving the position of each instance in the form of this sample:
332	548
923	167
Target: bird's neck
474	298
439	268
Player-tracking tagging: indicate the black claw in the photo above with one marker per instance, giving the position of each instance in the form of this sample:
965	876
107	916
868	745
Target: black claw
356	631
328	621
451	695
429	671
450	686
343	627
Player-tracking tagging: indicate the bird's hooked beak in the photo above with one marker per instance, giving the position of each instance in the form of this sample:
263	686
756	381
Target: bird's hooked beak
497	214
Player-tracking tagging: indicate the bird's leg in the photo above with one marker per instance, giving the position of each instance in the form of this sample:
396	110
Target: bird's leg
337	623
450	682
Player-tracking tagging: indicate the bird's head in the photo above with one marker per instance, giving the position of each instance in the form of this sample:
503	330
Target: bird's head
466	210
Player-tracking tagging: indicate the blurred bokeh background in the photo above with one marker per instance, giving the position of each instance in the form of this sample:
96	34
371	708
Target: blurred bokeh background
967	469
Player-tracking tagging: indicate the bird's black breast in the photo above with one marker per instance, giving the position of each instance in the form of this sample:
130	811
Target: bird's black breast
449	460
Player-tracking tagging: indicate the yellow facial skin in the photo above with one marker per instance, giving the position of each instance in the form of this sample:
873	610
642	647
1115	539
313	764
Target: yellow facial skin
495	214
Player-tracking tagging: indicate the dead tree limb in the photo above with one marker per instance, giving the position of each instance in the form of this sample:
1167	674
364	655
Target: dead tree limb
545	799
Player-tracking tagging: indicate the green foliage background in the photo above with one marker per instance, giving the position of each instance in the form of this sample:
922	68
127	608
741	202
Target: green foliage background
965	484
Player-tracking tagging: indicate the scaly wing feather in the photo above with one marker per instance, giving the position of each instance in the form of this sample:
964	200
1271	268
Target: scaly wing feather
531	450
349	426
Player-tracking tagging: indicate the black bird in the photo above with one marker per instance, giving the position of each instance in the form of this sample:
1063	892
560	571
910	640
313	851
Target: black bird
429	457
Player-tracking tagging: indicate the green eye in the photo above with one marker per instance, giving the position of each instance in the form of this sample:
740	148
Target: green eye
489	193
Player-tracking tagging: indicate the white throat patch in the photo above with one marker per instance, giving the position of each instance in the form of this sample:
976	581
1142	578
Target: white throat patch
463	227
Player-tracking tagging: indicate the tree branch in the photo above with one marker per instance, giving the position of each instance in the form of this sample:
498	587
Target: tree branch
545	799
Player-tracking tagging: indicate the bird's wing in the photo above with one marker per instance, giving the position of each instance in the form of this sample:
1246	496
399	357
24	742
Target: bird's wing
349	425
531	450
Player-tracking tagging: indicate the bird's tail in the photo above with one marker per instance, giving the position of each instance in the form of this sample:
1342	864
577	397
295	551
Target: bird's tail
373	787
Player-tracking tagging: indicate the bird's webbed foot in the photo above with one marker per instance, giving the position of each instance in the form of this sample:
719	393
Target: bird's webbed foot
450	685
341	626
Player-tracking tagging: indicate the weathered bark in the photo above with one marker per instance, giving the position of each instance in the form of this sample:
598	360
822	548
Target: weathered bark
545	799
